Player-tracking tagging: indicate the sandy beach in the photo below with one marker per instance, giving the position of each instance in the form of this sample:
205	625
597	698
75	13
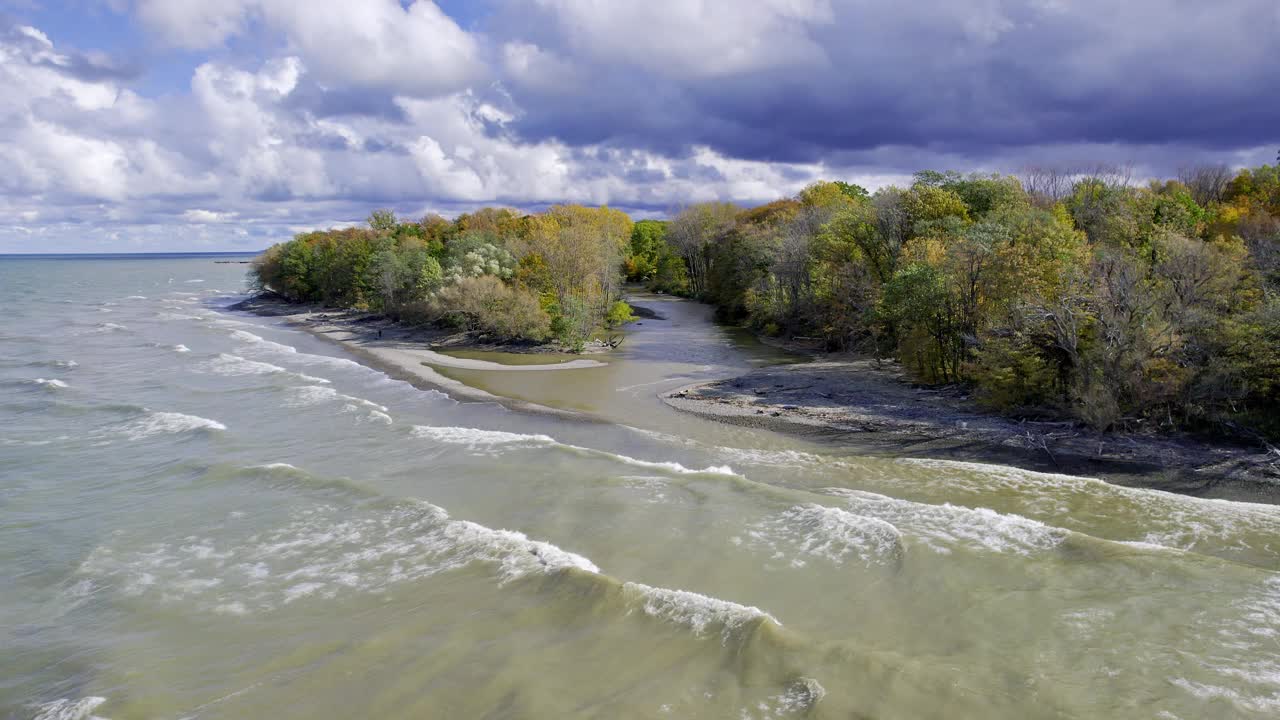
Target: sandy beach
404	352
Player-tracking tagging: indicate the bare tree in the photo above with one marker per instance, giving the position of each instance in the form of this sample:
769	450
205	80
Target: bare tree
693	229
1046	185
1207	183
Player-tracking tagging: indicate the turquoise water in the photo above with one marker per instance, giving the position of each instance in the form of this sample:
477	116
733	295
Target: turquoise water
210	515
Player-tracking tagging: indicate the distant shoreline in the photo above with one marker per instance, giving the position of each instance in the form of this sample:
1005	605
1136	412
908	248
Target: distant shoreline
128	256
870	407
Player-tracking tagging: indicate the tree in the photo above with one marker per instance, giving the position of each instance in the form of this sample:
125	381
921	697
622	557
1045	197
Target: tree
383	220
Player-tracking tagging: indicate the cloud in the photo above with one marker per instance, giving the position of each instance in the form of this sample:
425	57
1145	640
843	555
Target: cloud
800	80
303	114
414	49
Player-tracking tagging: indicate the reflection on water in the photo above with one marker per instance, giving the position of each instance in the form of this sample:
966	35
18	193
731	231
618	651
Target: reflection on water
205	515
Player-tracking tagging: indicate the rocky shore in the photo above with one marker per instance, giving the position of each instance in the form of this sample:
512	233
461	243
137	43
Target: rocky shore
869	406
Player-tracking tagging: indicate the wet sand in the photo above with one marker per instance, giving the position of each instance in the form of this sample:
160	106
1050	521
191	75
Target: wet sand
403	351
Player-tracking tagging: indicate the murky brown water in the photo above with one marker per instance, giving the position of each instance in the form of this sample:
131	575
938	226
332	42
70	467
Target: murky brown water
211	516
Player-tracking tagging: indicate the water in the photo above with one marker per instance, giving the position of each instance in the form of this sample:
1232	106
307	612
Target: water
208	515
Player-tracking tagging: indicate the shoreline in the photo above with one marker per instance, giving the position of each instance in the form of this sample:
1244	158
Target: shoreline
403	352
869	407
864	406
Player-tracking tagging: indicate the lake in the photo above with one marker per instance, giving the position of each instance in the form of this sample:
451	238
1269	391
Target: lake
205	514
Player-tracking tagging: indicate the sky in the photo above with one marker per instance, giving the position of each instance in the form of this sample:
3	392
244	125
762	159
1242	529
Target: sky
170	125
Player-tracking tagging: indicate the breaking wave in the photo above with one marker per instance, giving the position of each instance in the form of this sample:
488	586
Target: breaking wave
943	528
492	441
817	531
167	423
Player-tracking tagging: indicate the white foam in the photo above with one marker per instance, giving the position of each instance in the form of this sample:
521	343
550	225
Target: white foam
320	553
1169	519
180	348
275	466
945	527
818	531
799	699
65	709
669	466
51	383
234	365
196	280
476	438
165	423
309	395
109	327
490	441
695	611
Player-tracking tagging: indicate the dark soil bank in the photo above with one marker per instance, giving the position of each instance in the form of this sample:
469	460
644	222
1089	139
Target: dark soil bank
868	406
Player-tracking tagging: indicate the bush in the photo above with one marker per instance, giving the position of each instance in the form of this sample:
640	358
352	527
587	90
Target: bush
619	314
486	304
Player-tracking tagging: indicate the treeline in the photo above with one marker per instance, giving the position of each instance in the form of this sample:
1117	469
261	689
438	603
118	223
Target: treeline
1064	292
1075	293
552	276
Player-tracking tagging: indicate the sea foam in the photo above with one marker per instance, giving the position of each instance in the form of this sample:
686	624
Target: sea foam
832	534
493	441
696	611
64	709
166	423
945	527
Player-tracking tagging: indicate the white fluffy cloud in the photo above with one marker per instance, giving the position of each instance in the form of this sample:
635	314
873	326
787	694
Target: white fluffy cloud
370	43
306	113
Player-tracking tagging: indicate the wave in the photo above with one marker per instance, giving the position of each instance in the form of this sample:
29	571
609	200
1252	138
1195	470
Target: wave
326	551
136	297
63	364
943	528
1208	525
51	383
65	709
310	395
167	423
109	327
320	553
235	366
490	441
475	438
818	531
173	348
798	699
696	611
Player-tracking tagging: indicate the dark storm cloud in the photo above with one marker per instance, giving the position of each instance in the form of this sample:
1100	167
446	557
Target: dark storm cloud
972	77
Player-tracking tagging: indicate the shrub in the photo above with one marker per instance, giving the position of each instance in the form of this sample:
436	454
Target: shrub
486	304
619	314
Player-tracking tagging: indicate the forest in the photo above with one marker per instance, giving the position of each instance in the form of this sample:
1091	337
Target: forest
1061	293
